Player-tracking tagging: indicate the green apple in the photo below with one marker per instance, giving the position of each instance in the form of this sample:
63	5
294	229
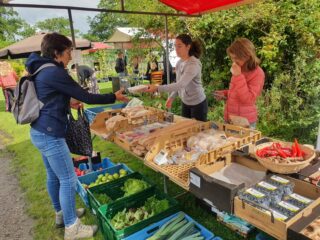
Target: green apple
115	176
110	177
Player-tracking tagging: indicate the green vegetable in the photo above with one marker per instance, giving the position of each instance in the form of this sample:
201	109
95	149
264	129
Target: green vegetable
132	186
180	233
167	229
156	206
102	198
126	218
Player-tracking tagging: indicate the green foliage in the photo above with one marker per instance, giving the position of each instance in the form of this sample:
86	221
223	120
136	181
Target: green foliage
10	23
59	24
286	35
104	24
18	66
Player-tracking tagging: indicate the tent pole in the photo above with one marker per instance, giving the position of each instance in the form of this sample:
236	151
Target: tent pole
167	50
73	41
318	139
71	28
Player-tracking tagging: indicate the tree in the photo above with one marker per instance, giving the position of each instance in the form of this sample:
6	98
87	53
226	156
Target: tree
103	25
286	34
27	30
10	23
60	25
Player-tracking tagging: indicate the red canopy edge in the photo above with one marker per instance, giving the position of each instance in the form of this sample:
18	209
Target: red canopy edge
203	6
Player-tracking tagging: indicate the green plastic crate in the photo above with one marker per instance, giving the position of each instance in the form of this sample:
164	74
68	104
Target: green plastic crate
106	213
113	190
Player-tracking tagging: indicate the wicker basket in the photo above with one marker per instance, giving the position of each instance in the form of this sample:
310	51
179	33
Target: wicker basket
285	168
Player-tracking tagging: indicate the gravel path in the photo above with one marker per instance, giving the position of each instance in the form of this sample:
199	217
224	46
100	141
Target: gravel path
15	224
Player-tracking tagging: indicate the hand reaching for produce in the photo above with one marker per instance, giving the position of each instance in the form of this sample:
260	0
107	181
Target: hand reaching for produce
152	88
120	96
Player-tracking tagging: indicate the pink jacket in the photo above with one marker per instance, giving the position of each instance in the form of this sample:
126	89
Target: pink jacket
9	81
242	95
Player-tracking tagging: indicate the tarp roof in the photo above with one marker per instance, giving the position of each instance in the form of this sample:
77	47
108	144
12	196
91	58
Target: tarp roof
124	34
23	48
123	37
203	6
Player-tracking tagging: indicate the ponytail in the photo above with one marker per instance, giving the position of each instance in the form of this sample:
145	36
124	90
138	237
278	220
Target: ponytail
196	49
195	46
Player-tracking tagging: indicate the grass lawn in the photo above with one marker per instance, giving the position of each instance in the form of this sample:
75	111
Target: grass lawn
28	165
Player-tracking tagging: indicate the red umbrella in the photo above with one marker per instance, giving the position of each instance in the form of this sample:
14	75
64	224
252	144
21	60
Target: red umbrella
96	46
201	6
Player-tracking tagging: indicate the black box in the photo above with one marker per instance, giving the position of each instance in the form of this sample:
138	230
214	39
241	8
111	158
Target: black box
215	192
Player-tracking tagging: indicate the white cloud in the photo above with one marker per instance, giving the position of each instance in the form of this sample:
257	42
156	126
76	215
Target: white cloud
33	15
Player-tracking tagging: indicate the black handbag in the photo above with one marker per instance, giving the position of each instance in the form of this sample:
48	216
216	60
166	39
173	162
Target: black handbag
78	135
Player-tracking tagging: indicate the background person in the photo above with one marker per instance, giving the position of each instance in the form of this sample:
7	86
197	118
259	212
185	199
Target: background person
121	65
152	66
54	88
87	77
8	82
188	77
246	82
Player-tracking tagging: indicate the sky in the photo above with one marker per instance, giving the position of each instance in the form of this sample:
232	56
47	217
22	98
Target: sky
34	15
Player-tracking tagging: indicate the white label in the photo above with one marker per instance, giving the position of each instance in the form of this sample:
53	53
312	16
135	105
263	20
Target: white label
280	179
195	179
300	198
279	216
255	193
267	186
289	206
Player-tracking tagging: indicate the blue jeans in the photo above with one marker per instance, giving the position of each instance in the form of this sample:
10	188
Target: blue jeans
61	177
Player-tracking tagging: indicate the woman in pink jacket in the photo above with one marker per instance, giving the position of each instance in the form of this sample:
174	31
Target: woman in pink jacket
246	82
8	82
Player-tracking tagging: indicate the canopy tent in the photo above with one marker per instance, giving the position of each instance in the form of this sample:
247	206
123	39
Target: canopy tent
31	44
123	38
204	6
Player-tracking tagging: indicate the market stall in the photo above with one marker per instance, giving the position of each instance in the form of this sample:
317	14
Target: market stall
208	159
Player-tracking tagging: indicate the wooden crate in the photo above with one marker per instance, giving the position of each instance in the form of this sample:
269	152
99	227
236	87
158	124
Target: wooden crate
276	228
98	128
177	140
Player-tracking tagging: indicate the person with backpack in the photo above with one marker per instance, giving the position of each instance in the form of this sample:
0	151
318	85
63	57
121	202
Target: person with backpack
8	82
54	88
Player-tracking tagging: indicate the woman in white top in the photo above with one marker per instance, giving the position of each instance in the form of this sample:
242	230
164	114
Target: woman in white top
188	86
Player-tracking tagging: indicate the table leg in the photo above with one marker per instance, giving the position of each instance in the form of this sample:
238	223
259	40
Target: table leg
165	186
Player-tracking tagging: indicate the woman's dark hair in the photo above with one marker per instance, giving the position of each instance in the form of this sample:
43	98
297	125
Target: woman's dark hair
54	44
196	47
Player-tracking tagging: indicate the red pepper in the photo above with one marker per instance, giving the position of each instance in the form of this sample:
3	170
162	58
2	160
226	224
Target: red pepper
299	152
294	151
278	147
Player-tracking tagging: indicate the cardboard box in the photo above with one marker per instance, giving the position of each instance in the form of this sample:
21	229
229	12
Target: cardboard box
216	192
276	228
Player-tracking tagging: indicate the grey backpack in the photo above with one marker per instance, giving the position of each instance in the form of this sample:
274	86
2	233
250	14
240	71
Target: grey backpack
26	105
